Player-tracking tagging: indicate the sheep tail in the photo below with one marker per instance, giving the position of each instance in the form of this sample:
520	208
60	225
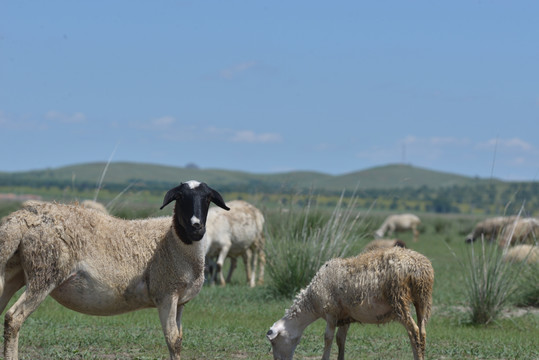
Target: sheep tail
10	239
421	287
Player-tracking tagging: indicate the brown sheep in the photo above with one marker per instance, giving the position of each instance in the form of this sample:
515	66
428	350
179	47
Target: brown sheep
374	287
97	264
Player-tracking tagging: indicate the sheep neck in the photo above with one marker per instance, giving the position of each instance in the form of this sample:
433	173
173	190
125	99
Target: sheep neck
302	312
180	232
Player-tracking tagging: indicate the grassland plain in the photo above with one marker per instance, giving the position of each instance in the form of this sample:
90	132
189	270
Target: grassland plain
231	322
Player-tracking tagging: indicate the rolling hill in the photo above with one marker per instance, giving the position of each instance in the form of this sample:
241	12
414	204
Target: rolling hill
147	175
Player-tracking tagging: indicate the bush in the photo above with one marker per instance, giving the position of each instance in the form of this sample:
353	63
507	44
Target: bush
490	282
304	240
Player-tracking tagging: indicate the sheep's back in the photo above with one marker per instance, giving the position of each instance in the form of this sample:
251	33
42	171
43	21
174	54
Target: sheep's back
86	233
377	276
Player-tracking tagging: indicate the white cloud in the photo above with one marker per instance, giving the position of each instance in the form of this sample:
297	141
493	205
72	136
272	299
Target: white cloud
233	71
156	124
75	118
513	143
248	136
162	122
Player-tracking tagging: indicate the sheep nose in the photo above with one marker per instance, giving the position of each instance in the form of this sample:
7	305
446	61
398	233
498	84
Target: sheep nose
195	222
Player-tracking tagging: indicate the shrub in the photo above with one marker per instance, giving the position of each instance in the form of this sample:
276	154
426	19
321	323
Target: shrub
489	280
304	240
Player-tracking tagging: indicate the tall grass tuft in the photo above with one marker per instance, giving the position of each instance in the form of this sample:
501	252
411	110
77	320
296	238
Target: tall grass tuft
305	239
490	282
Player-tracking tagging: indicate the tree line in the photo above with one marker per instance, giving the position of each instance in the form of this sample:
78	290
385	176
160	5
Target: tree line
481	198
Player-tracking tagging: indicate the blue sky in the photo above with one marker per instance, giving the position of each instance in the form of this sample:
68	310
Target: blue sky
268	87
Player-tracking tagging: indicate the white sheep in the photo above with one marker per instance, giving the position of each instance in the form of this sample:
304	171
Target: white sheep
399	222
91	204
234	233
520	231
522	253
97	264
490	228
374	287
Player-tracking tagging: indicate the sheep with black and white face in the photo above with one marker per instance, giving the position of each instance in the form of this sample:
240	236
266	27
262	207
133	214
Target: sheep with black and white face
97	264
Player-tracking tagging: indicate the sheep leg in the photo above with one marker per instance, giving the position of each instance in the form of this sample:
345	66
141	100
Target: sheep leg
233	264
254	266
416	233
12	285
170	317
262	257
422	323
247	256
15	317
328	339
341	340
220	262
413	334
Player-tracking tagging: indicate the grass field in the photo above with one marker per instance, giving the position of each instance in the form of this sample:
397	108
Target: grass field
231	322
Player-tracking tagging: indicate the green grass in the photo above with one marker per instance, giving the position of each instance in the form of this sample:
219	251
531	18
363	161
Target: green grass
231	322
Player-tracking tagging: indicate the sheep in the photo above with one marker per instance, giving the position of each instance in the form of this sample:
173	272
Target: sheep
399	222
383	243
238	232
91	204
374	287
30	203
522	230
97	264
522	252
490	228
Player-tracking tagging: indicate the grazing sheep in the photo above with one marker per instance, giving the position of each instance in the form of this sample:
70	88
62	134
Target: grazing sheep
374	287
399	222
522	230
97	264
90	204
489	228
384	243
238	232
520	253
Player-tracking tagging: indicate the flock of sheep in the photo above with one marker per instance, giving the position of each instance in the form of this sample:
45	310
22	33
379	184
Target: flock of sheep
97	264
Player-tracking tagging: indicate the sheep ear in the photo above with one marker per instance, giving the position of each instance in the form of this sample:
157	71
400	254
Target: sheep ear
217	199
170	196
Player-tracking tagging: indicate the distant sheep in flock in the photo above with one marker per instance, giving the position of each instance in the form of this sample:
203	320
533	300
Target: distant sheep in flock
519	253
384	244
238	232
489	228
97	264
91	204
399	222
374	287
521	231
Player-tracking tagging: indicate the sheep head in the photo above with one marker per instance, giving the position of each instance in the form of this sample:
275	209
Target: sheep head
192	203
284	339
